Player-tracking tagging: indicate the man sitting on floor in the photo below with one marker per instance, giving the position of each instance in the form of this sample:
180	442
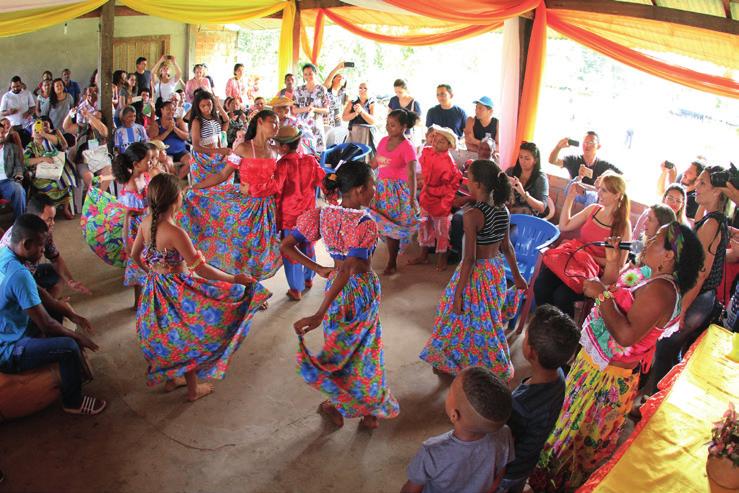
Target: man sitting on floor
48	276
21	347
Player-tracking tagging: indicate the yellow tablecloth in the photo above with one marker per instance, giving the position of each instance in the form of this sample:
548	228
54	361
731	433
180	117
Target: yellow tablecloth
669	452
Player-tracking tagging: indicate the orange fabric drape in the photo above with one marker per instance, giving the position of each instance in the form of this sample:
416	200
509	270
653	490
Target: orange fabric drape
477	12
313	51
529	102
412	40
709	83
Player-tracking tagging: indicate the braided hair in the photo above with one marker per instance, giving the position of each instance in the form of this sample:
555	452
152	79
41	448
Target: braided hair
164	191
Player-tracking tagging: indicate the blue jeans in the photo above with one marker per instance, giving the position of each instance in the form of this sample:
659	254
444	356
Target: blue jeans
32	352
298	274
13	191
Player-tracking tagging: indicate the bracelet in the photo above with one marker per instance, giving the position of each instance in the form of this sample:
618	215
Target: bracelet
199	260
605	295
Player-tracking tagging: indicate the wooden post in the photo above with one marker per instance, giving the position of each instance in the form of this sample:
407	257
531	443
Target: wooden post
105	66
296	37
525	26
190	40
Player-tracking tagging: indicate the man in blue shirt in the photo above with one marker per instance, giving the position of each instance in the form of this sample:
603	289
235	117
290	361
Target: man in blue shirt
21	302
70	86
446	114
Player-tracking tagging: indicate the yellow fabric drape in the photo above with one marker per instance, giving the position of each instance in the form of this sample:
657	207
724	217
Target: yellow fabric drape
313	50
285	53
529	102
26	21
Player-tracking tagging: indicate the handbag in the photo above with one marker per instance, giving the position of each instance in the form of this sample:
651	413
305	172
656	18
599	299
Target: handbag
572	264
53	170
97	158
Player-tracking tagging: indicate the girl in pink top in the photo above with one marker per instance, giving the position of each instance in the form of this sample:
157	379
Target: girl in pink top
395	208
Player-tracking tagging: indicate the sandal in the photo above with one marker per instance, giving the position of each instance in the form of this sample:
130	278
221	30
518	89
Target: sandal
90	407
294	295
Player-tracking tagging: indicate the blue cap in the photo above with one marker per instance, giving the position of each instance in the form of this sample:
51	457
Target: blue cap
485	101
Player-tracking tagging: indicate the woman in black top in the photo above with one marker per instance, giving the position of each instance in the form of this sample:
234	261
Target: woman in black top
360	111
530	185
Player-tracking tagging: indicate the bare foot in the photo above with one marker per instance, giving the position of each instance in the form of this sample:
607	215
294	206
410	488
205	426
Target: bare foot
369	422
201	391
390	270
333	414
418	260
441	266
264	306
175	383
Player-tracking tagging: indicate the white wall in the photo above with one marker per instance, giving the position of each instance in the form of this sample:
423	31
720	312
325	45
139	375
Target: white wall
76	47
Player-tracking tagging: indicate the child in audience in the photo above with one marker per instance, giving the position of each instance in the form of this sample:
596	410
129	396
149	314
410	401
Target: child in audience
162	162
131	169
473	456
441	180
350	369
550	341
469	327
129	131
299	176
188	326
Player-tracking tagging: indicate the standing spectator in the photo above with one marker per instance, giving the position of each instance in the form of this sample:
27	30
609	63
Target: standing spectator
46	75
446	113
402	99
60	102
121	96
480	125
43	99
530	185
197	82
129	131
335	85
11	174
311	104
236	87
165	83
587	166
287	91
17	104
71	87
360	113
207	76
688	179
143	76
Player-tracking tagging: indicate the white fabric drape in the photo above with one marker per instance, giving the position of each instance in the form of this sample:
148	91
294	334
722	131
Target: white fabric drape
14	6
509	87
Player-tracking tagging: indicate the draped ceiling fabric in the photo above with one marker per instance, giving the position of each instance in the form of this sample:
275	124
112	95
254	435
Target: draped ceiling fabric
38	15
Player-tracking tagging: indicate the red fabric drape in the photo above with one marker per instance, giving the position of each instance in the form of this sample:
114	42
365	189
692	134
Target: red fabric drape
529	102
467	11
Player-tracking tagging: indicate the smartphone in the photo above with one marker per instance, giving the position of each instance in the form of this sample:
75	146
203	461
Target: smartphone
348	64
669	165
573	143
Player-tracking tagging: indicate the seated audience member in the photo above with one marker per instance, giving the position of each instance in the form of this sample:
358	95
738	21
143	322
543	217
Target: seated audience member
256	107
60	103
446	114
596	222
129	131
173	132
688	179
550	341
480	125
649	222
11	174
473	456
24	347
529	183
162	162
587	166
45	76
49	276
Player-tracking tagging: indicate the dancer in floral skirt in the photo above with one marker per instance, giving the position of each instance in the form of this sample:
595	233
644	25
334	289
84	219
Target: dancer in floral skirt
350	369
469	325
189	327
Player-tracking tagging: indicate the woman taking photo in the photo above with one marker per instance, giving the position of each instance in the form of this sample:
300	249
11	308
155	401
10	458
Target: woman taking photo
530	185
335	85
165	84
311	105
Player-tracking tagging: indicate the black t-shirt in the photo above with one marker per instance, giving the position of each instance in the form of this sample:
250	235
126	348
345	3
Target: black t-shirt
535	411
572	164
143	81
691	206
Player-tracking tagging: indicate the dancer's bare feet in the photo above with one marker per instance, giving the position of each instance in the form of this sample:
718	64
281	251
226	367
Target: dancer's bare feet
201	390
175	383
390	270
369	422
441	264
420	260
333	414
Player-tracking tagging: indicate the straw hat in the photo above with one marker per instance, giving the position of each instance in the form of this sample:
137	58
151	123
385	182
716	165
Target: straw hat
446	133
159	144
281	101
288	134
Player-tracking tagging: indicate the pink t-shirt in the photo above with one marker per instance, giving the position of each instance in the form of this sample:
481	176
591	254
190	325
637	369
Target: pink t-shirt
194	84
393	165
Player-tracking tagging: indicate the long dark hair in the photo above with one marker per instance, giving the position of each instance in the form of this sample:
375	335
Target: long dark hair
689	255
251	130
493	179
53	97
164	190
118	78
406	118
517	170
123	162
195	113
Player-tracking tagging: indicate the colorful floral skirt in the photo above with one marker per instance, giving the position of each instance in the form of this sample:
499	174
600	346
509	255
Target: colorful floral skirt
59	191
204	165
236	233
350	369
589	424
477	337
134	275
102	225
392	210
186	323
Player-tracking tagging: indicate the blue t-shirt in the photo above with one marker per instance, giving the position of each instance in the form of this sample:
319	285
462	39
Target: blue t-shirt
454	118
18	293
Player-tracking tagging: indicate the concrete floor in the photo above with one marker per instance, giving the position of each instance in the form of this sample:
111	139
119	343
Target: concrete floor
259	432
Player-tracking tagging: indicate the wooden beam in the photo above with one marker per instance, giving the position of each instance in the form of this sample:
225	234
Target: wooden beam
296	36
119	12
321	4
661	14
105	66
727	8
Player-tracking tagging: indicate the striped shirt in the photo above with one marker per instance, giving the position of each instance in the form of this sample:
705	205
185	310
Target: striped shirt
210	131
496	223
125	136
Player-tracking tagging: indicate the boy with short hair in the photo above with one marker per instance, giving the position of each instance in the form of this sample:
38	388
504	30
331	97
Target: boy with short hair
472	457
550	341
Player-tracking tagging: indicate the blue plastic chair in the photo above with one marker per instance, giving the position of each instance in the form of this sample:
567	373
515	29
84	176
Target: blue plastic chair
530	237
339	148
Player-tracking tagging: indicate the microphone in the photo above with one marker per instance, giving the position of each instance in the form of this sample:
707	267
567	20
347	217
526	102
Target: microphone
624	245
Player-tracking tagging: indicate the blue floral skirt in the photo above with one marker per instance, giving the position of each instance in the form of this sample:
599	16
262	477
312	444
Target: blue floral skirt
392	211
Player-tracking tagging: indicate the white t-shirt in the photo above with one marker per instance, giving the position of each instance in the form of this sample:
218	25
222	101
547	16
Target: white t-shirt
21	101
165	89
3	176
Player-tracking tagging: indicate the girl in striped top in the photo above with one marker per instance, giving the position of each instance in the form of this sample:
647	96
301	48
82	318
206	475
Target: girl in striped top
469	329
207	120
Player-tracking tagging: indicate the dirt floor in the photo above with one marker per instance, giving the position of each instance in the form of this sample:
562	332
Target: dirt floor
259	432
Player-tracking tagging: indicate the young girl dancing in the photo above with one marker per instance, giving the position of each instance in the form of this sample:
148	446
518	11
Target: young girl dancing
350	369
395	207
244	238
187	326
469	324
131	169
